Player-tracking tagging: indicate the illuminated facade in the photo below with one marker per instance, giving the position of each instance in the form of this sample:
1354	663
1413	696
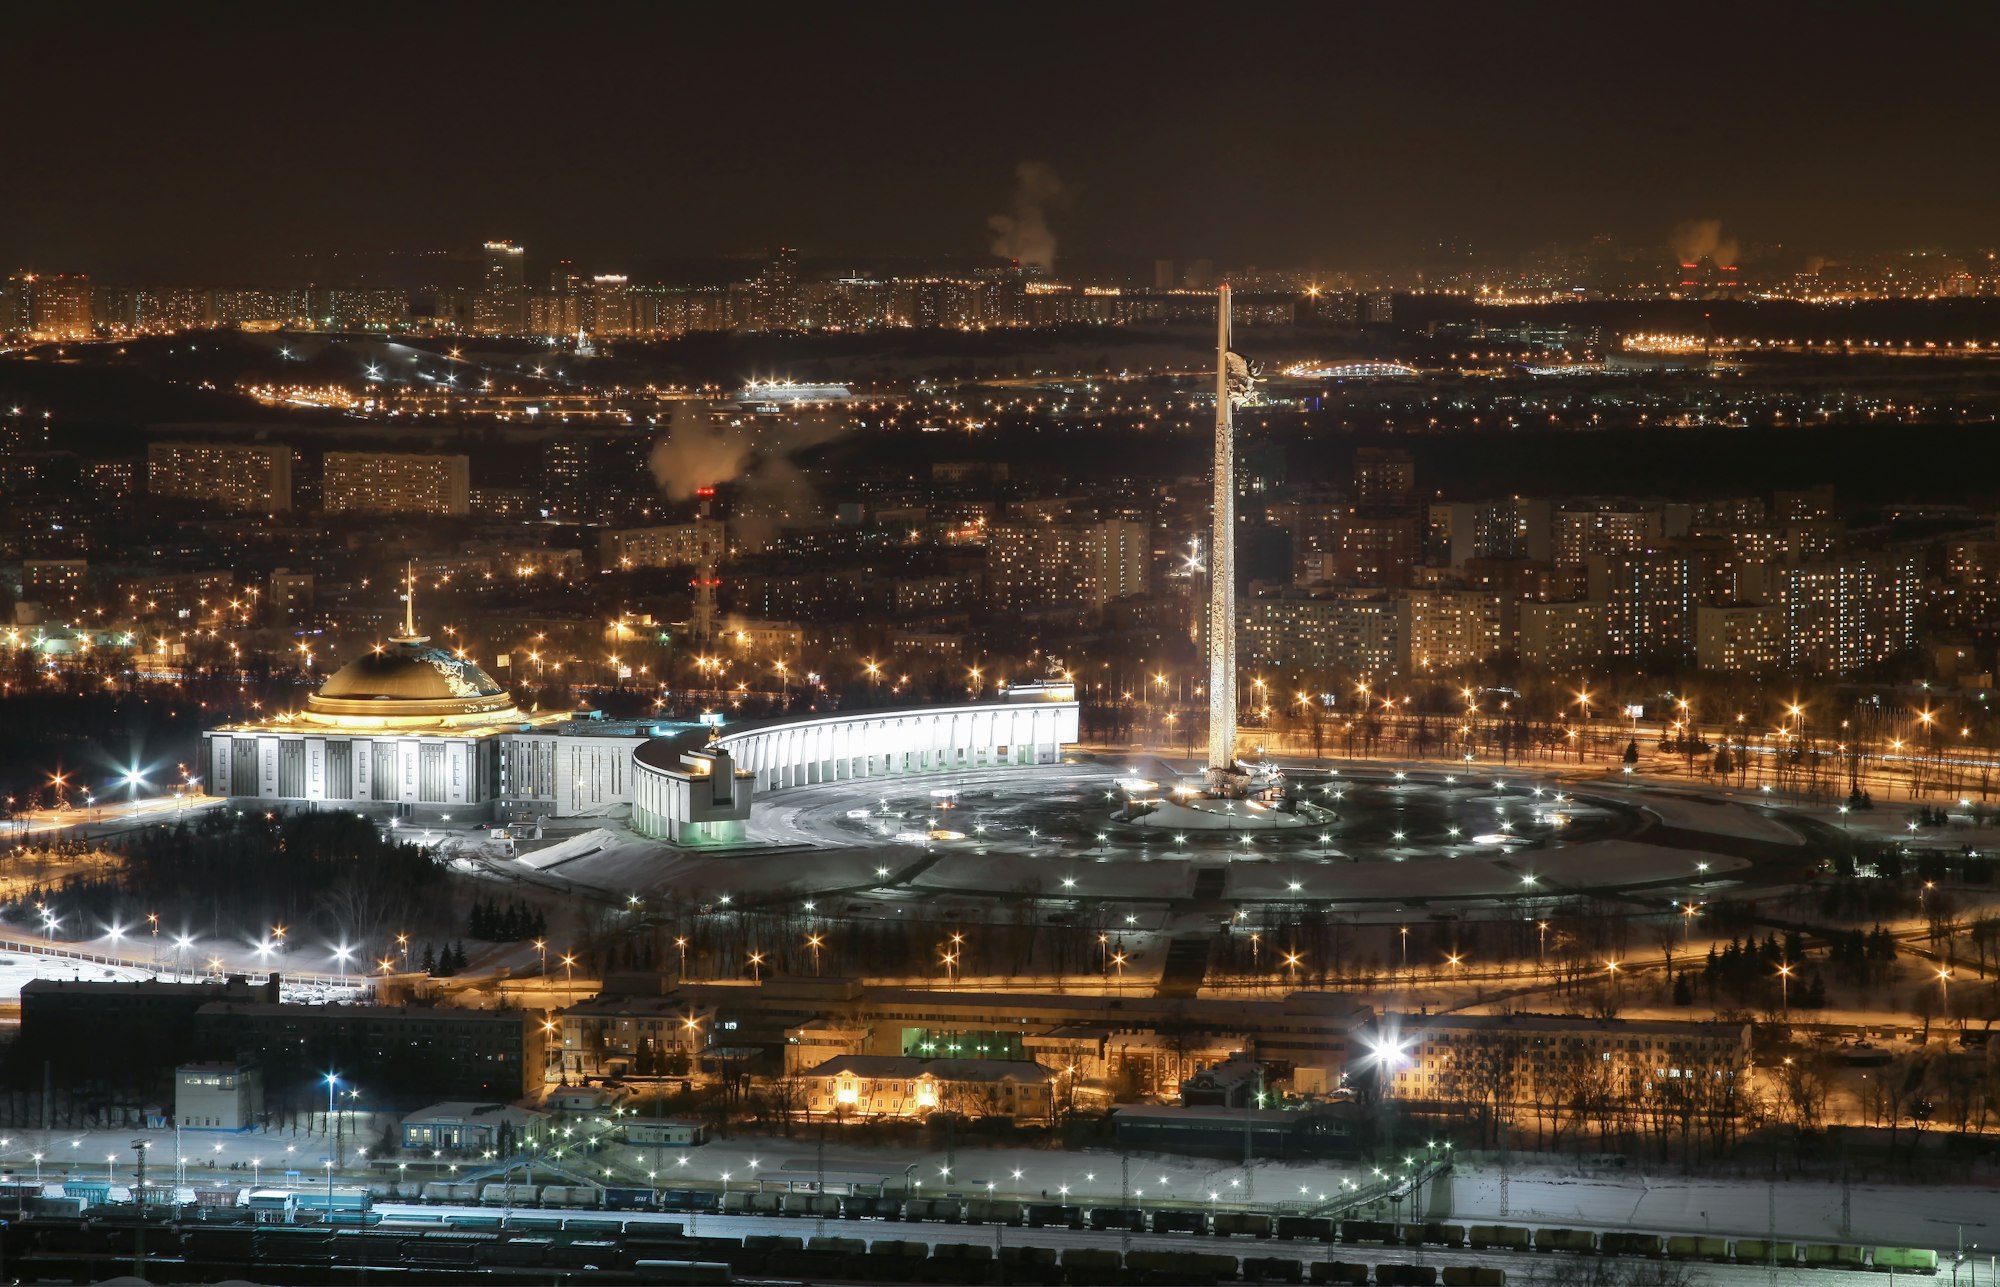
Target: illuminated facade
666	546
1359	632
1028	724
1561	635
405	726
1445	629
1649	602
1516	1061
1843	615
1743	638
611	305
245	476
1583	529
500	308
899	1086
396	483
1222	673
1033	563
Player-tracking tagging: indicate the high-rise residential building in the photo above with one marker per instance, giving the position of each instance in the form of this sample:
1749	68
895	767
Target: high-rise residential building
665	546
1384	476
172	308
1512	527
569	479
260	305
1562	635
16	304
1582	529
506	267
345	309
1843	615
610	305
777	291
1033	563
1314	527
500	308
289	599
246	476
1740	638
48	306
1378	545
1805	504
1808	539
396	482
1448	628
1325	634
1649	602
55	583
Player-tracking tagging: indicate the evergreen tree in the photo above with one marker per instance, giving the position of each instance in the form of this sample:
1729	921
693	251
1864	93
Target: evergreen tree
1683	990
430	960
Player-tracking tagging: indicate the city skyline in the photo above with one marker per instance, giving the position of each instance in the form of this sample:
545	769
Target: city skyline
1048	645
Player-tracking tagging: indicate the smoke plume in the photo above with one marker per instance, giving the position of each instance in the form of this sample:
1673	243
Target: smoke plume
754	454
695	453
1699	238
1023	232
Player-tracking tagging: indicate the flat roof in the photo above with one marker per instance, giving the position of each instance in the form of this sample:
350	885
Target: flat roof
1561	1023
299	1010
907	1066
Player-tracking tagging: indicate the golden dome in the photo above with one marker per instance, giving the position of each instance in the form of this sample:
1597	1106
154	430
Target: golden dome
405	684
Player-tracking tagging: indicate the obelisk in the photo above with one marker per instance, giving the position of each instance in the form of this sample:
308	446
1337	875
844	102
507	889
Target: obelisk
1222	568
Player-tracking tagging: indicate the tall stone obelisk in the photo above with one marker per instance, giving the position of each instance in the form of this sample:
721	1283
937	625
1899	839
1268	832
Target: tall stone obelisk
1222	568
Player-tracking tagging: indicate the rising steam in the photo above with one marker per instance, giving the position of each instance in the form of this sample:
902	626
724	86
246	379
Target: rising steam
695	453
1023	233
755	455
1702	238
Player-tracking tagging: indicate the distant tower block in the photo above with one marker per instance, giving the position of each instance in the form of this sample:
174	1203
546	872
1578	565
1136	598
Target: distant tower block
1222	567
708	547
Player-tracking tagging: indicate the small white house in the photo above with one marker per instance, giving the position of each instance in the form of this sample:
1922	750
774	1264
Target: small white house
457	1126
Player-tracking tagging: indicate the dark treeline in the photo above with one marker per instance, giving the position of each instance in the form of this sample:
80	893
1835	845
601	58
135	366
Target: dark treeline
220	873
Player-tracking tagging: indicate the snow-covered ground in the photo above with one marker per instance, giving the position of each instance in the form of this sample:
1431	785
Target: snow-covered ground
1717	816
1800	1210
16	968
1543	1192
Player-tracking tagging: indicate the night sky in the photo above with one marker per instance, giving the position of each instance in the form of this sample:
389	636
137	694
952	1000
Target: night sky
217	139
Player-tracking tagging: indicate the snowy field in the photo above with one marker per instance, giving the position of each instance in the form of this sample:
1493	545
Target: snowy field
1718	817
16	968
1805	1211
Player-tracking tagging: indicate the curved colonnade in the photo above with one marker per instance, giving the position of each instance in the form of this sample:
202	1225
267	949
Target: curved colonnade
698	790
